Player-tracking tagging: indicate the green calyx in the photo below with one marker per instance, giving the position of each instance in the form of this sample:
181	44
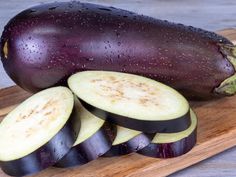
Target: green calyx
228	86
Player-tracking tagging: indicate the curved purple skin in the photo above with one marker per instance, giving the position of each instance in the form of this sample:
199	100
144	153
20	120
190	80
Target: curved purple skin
169	150
161	126
135	144
92	148
46	44
47	155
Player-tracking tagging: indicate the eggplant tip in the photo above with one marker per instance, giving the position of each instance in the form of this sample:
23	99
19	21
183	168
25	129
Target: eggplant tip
227	87
230	51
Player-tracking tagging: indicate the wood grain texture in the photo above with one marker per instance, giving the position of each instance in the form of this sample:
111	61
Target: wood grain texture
216	133
10	97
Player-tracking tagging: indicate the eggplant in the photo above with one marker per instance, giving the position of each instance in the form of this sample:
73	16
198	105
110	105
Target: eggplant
44	45
128	141
94	139
39	132
172	144
131	101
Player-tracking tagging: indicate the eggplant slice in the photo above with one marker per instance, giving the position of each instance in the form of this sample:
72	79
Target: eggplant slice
132	101
173	144
39	132
128	141
95	139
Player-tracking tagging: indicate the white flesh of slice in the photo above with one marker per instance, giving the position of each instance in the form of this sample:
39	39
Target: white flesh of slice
124	135
173	137
90	124
34	122
128	95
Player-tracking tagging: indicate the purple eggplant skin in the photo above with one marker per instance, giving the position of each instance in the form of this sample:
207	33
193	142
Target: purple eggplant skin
91	149
146	126
49	154
44	45
73	158
170	150
135	144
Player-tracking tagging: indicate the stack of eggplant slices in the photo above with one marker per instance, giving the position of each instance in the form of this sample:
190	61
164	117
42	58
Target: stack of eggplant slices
101	114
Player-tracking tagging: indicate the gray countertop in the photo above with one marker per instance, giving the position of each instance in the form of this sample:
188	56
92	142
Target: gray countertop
208	14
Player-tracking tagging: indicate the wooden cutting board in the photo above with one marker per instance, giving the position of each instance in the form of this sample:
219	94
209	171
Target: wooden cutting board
216	133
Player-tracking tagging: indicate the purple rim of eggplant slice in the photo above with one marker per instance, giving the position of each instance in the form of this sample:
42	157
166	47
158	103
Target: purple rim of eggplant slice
39	132
94	139
128	141
131	101
172	144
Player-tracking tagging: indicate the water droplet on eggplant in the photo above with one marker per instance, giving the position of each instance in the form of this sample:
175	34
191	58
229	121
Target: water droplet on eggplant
32	10
52	8
70	5
117	34
104	9
52	16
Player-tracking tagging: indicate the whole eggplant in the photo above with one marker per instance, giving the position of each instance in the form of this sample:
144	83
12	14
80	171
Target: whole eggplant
44	45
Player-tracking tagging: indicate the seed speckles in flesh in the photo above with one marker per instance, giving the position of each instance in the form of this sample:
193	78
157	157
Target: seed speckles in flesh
118	90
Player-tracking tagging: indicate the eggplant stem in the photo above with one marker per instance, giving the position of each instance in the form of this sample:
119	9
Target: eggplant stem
228	86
